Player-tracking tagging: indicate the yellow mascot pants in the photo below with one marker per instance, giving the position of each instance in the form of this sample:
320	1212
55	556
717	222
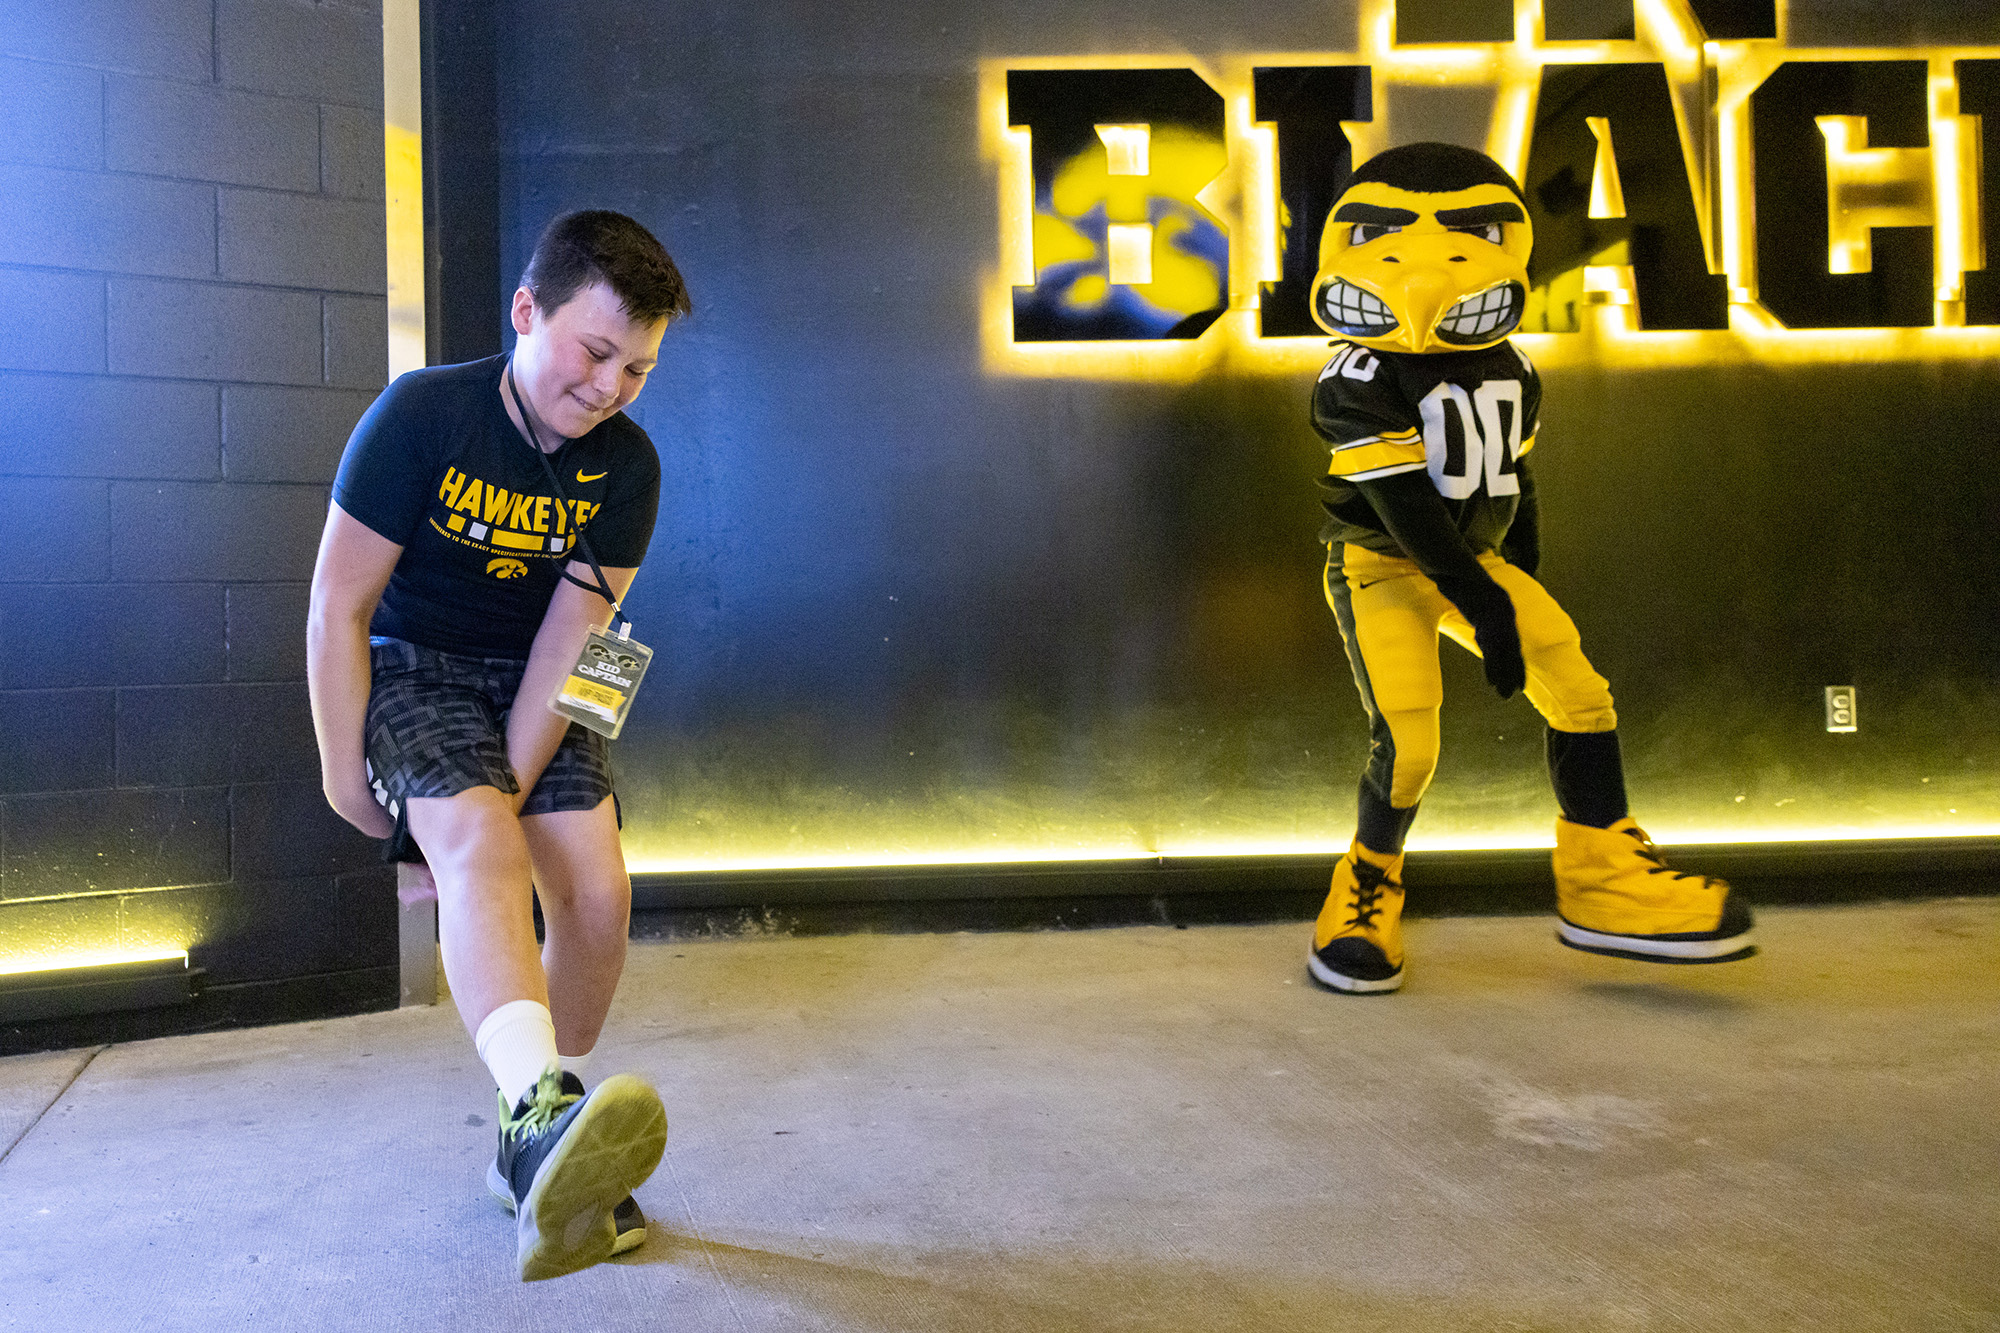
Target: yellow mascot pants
1390	616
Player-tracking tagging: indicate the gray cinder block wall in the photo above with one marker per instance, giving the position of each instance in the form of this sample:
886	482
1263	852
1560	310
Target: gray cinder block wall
192	284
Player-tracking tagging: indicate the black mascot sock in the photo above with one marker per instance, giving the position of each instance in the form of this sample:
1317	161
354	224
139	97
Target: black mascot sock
1382	827
1588	775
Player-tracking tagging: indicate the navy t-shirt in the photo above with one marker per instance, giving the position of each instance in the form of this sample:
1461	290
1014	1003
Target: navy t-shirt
436	466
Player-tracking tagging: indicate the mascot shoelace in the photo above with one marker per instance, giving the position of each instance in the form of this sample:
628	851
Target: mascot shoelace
1432	528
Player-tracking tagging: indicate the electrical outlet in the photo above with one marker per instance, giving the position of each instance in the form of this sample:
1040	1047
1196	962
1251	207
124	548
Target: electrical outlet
1840	711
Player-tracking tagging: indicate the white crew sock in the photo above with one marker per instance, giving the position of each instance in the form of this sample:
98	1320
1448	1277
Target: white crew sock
517	1041
580	1065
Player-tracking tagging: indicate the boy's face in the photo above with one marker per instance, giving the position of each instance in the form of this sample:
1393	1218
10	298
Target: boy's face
582	361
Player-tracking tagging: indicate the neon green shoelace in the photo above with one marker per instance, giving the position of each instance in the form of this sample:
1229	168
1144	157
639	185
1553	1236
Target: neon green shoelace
545	1104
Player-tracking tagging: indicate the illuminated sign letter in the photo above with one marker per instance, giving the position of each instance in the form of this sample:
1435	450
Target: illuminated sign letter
1306	105
1122	246
1454	21
1586	21
1608	187
1736	20
1979	95
1860	118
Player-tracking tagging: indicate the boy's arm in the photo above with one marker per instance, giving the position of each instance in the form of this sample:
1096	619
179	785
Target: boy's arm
1415	516
353	568
534	731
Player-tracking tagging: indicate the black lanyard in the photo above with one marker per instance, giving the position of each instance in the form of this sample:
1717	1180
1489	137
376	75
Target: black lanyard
603	588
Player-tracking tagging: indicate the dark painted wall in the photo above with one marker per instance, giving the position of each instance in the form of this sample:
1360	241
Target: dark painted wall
905	605
191	319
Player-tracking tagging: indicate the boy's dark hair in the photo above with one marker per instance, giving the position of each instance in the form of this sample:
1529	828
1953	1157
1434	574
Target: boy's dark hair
597	245
1434	168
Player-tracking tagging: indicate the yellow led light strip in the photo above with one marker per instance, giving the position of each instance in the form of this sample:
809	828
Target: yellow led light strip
71	961
1194	849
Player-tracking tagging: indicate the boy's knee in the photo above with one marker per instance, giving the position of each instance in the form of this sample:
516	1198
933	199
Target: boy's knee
476	824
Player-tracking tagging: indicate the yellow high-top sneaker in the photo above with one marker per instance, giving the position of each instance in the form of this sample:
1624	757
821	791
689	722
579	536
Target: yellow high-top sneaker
1616	895
1358	943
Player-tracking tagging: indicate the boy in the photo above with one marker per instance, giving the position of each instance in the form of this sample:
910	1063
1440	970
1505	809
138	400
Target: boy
446	611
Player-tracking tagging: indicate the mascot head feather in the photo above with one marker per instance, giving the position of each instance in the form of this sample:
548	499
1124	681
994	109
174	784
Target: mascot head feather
1427	251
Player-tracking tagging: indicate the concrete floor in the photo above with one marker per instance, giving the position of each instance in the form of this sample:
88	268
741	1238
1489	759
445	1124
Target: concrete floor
1135	1129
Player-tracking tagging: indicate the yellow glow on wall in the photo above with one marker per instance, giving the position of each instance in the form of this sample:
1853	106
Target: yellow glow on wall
1130	247
1608	284
98	928
1607	192
1954	162
1674	32
403	206
1869	188
1126	149
1605	280
403	180
1254	258
59	961
1710	83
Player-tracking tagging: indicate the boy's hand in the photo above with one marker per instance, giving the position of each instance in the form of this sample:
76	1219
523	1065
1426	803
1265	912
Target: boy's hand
358	806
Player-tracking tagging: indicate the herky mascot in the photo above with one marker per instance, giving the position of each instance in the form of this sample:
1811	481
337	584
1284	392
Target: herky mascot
1431	415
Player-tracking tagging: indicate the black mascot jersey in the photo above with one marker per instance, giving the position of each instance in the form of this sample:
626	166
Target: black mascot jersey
437	467
1465	417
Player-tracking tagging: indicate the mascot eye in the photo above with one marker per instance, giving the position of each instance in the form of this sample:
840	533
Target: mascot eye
1355	312
1484	316
1365	232
1489	232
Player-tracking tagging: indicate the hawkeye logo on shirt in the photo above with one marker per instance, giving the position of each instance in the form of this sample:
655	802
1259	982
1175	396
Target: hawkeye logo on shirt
494	518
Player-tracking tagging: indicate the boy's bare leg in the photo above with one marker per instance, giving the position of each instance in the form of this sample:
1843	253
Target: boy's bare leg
486	925
586	898
577	1213
586	901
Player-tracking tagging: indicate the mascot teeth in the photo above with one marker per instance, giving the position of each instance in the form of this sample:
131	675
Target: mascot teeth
1482	317
1357	312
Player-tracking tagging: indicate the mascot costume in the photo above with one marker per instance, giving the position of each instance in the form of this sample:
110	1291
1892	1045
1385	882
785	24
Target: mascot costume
1431	415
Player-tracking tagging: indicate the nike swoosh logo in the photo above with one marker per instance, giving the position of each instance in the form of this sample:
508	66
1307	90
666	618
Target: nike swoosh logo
592	477
1371	583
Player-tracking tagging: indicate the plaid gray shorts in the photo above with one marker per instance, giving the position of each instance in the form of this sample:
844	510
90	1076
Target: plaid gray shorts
437	726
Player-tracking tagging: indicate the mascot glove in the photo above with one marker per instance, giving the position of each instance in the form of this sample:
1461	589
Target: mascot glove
1500	647
1524	554
1492	616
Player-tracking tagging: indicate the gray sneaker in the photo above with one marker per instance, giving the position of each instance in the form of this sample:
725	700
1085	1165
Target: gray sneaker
626	1219
567	1164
